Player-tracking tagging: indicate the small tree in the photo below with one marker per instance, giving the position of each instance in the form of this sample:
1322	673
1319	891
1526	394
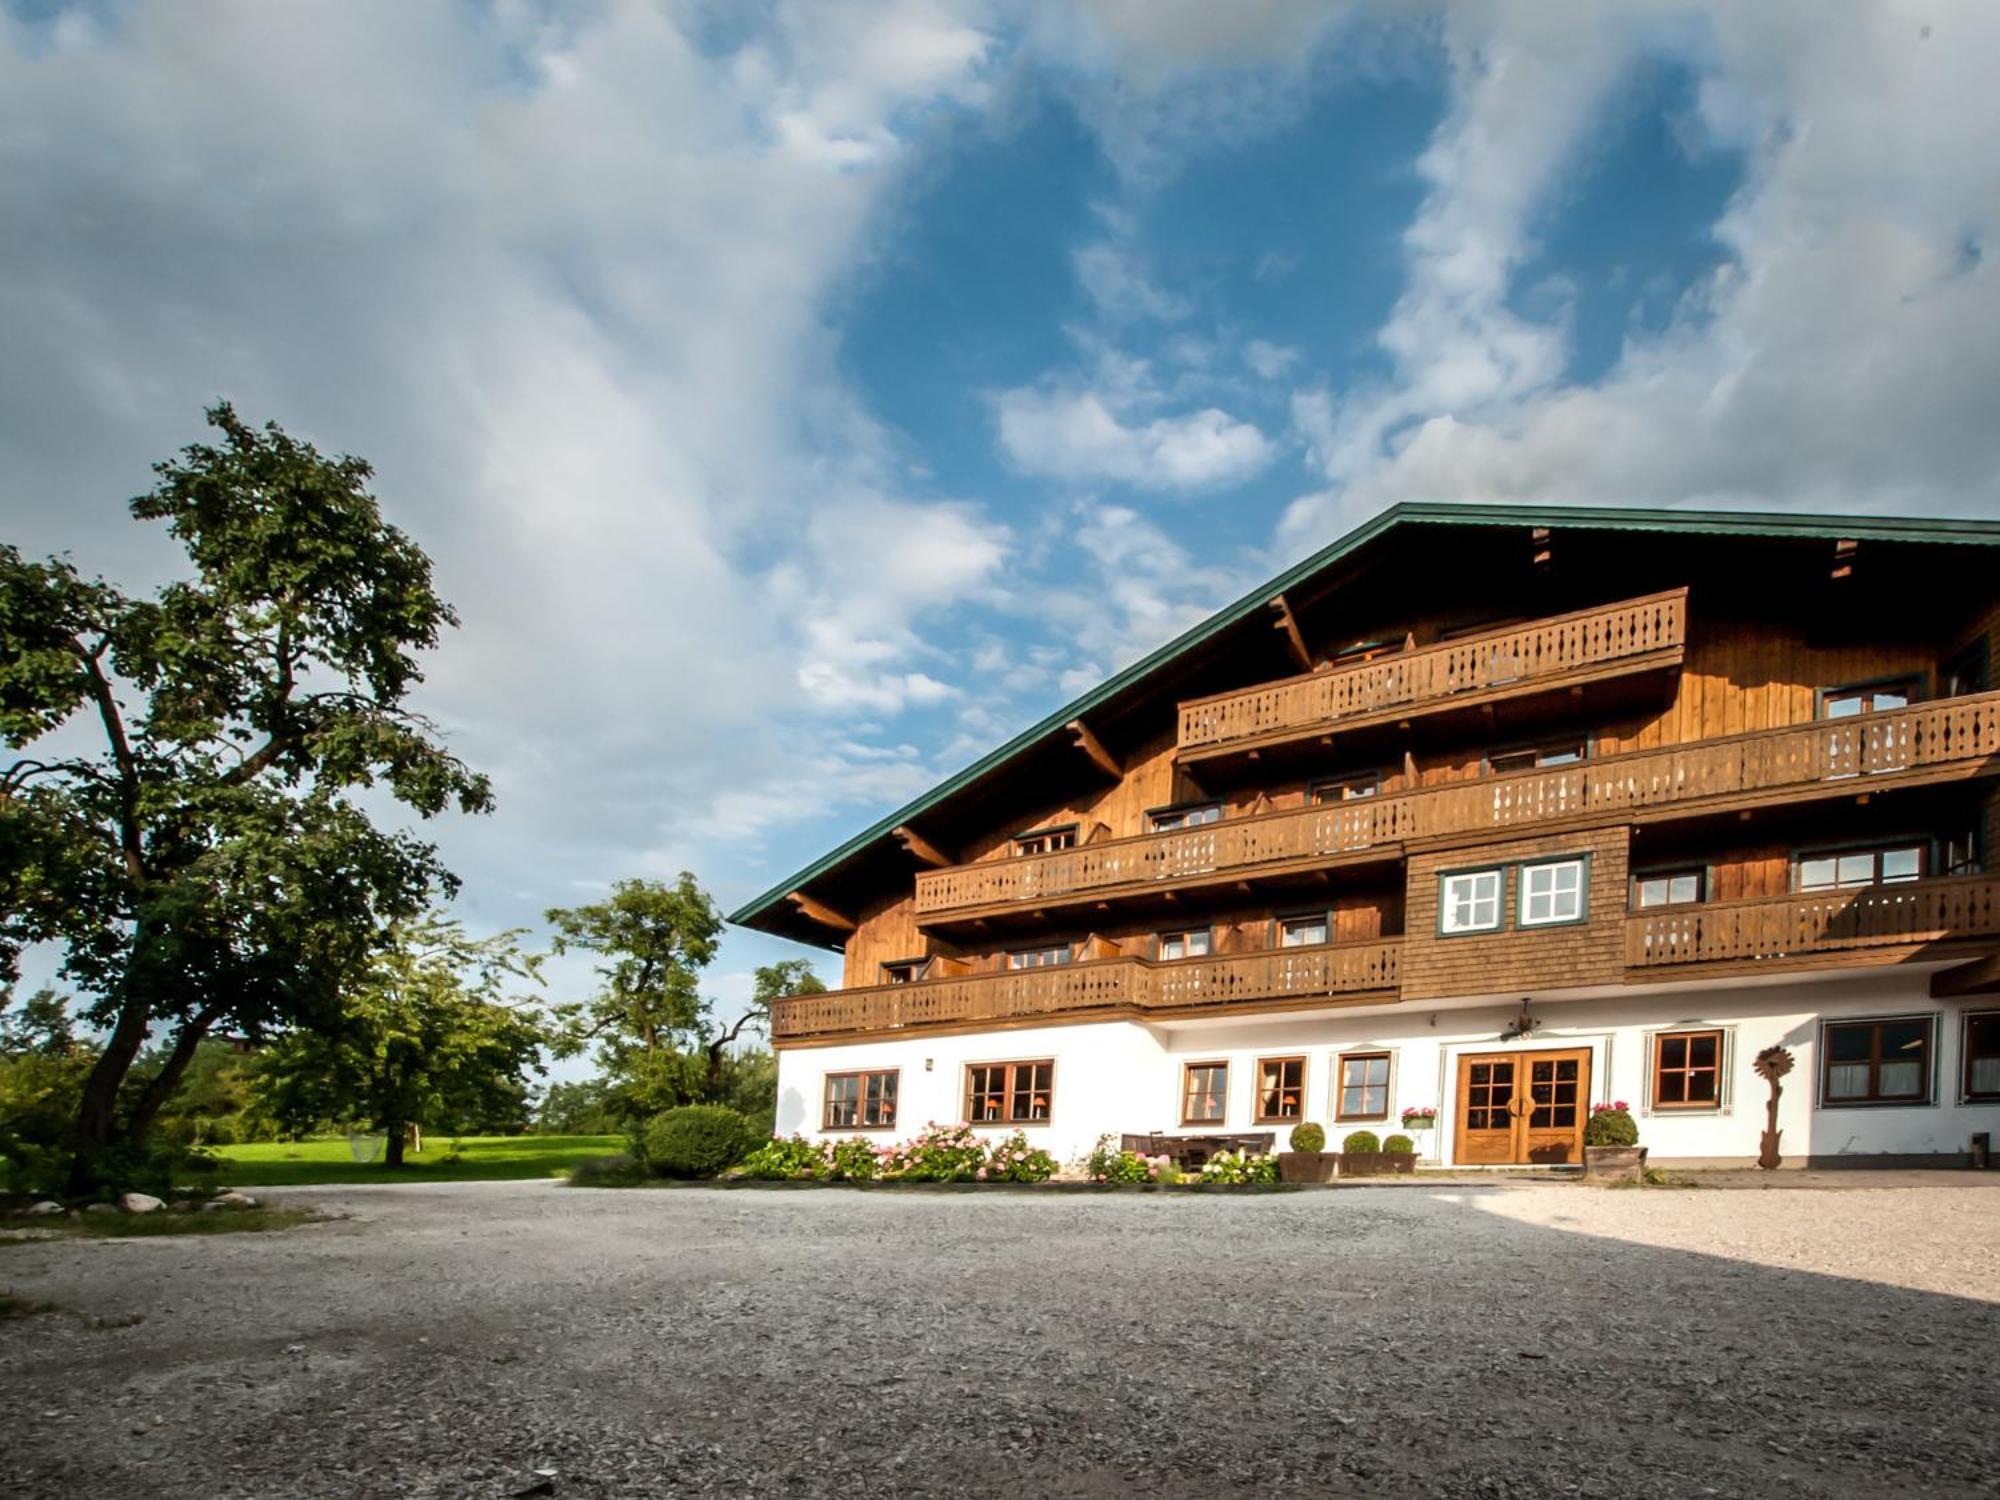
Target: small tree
429	1032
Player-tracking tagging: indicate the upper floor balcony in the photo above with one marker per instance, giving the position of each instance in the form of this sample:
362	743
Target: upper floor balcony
1105	987
1936	741
1564	651
1790	931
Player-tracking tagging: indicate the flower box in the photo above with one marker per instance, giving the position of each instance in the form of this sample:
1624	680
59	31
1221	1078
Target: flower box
1614	1163
1307	1166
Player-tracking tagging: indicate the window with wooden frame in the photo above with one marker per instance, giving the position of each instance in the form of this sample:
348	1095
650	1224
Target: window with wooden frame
1281	1089
1303	931
1039	958
1011	1093
1196	942
1885	864
1347	788
1958	854
1045	840
903	970
1652	888
1867	697
1877	1062
1168	819
1561	753
1981	1052
1363	1093
1687	1069
860	1101
1554	891
1204	1093
1469	901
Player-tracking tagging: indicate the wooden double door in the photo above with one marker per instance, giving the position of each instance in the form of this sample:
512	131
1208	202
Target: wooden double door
1522	1107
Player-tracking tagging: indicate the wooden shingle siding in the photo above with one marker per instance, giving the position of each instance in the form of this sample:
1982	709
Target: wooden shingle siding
1583	953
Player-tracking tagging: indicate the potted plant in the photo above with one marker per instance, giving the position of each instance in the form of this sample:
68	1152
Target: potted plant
1611	1149
1308	1160
1399	1152
1361	1154
1420	1117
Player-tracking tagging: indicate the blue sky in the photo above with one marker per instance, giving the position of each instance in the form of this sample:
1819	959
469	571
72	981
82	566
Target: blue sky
800	398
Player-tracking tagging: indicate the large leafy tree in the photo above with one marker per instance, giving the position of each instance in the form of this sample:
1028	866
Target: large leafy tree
186	818
657	1034
428	1034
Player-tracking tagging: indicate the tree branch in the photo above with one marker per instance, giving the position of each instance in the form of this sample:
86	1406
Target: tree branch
130	843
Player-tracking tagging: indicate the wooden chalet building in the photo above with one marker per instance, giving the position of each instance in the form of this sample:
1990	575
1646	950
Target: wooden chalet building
1497	810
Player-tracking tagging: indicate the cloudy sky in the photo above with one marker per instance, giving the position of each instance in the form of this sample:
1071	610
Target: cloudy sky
800	398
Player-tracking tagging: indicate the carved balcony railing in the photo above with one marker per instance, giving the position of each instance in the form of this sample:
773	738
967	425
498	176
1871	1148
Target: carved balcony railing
1635	635
1776	928
1115	985
1949	737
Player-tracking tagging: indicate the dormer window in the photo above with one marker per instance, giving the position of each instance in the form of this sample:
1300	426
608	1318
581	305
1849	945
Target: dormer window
1169	819
1045	840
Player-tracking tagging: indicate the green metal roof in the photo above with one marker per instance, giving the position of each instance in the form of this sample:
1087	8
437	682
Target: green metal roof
1426	512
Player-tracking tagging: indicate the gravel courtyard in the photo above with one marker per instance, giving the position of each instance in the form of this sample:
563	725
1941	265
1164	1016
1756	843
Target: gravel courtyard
1451	1340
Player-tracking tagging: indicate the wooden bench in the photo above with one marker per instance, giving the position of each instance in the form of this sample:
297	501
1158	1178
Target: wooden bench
1189	1152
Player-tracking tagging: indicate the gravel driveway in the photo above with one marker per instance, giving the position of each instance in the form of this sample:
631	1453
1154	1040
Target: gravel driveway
1502	1340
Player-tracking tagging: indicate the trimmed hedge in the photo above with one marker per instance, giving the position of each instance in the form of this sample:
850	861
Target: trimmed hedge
697	1140
1399	1145
1307	1136
1611	1127
1362	1142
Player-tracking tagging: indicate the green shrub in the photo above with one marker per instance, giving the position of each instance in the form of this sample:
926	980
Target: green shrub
1308	1137
605	1171
940	1153
1014	1160
1611	1125
1400	1145
785	1160
852	1160
1107	1163
696	1140
1230	1167
1361	1142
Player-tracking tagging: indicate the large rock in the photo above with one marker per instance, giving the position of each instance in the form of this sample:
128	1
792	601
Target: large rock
46	1206
140	1203
234	1199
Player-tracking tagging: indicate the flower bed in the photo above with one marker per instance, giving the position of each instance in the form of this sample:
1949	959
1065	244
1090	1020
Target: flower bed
939	1153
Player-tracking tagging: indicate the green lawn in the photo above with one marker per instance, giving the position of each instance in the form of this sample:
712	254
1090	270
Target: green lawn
481	1158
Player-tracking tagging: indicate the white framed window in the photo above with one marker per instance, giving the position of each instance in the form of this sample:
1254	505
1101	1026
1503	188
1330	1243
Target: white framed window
1302	932
1552	892
1037	958
1197	943
1469	902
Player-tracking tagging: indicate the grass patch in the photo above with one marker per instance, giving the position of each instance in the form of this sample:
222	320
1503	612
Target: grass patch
478	1158
12	1307
163	1223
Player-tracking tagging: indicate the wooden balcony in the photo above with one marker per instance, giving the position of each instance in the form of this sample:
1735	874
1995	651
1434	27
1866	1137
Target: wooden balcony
1109	987
1936	741
1788	931
1560	652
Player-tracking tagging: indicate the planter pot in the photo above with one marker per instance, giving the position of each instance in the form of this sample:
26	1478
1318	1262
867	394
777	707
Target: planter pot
1402	1163
1307	1166
1614	1163
1363	1163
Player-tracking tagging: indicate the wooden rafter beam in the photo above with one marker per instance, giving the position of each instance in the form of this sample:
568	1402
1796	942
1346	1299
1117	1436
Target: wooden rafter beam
820	912
1093	747
1980	977
922	848
1287	622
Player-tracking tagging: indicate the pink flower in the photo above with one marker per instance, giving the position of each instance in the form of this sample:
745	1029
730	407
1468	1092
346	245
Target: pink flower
980	1174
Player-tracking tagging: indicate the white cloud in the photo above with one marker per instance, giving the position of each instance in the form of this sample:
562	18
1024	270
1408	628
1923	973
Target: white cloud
1072	434
1844	357
1269	361
1116	281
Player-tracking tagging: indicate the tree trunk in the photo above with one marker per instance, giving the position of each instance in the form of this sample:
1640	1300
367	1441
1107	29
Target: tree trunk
97	1110
161	1087
392	1144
